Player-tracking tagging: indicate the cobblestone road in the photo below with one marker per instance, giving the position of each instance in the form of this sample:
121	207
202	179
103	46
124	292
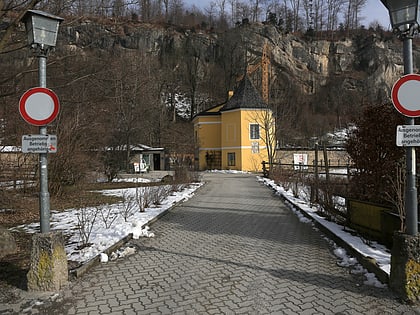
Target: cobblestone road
232	249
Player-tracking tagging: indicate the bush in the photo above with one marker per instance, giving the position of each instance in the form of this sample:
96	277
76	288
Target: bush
86	219
183	174
158	194
128	206
375	156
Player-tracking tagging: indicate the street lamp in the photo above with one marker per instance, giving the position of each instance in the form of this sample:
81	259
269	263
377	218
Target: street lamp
404	16
42	29
402	13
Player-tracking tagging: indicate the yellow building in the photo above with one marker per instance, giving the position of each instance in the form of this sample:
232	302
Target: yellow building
235	135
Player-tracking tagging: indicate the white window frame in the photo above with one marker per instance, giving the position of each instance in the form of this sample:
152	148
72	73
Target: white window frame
255	147
254	134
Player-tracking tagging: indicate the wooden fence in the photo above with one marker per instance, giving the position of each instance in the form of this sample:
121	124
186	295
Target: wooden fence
317	170
325	180
18	177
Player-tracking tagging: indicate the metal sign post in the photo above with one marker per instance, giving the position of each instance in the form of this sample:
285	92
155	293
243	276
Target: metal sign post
405	94
44	195
39	106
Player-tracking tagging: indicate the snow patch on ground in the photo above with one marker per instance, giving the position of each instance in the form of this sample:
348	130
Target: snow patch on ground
109	227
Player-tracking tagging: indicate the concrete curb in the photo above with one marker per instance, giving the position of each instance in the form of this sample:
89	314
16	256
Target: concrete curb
85	267
367	262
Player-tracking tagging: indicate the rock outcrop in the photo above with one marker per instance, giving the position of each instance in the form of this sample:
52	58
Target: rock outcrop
368	63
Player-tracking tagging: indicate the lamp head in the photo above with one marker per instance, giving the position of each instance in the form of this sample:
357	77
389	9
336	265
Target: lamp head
41	28
404	14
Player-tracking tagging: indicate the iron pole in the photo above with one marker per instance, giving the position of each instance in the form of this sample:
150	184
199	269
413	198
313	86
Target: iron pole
410	187
44	195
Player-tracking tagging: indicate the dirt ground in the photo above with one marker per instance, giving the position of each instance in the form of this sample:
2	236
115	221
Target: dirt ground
17	209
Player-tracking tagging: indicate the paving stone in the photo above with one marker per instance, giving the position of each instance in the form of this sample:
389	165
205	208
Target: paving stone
234	248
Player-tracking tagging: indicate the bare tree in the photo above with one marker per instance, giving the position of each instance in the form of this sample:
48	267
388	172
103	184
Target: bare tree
352	14
318	14
333	9
223	16
210	12
234	11
266	121
12	21
396	195
244	10
257	8
309	15
166	8
129	100
146	10
176	11
192	68
221	5
118	8
295	6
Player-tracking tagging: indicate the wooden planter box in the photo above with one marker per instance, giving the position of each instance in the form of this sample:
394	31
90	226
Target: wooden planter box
372	220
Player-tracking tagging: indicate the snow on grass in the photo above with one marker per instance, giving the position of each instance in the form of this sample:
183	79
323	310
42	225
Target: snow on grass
107	225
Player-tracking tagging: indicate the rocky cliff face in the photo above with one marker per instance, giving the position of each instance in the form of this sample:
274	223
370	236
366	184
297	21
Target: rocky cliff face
366	62
319	76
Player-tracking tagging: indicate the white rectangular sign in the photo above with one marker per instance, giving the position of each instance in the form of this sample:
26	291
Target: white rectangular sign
39	143
408	135
300	161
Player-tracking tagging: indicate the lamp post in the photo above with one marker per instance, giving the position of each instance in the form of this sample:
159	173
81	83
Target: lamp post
42	29
404	15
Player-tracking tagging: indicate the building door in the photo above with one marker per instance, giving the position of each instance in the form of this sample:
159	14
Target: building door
156	162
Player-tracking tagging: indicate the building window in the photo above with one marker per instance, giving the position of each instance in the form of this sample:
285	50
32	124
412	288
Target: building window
231	159
254	131
255	147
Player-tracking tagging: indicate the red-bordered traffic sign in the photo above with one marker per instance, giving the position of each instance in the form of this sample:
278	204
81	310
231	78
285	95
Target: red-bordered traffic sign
39	106
405	95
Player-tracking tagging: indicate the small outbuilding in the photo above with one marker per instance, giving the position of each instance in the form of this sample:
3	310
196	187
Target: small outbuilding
145	158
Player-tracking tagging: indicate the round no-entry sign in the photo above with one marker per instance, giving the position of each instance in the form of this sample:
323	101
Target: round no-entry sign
39	106
406	95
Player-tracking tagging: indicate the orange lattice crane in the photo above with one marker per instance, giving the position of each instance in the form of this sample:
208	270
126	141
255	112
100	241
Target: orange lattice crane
264	65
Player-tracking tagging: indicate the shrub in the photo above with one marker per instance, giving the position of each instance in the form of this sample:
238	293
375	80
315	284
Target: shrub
128	206
107	215
375	156
86	219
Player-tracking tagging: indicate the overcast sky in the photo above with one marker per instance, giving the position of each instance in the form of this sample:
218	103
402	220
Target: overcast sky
374	10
